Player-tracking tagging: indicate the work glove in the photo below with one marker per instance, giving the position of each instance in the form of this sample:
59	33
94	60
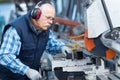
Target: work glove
67	51
33	74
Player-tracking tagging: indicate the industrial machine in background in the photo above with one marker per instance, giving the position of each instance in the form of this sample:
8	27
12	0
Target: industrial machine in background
106	27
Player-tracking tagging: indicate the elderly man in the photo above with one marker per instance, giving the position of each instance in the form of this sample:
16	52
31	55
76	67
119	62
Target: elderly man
24	41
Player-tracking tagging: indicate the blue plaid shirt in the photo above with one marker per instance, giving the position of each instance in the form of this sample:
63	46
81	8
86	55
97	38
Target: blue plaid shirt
10	48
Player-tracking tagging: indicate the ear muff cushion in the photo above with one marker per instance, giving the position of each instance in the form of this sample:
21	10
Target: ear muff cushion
36	13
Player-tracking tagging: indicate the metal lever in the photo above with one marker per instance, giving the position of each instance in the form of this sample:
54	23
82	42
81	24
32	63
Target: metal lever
114	33
69	55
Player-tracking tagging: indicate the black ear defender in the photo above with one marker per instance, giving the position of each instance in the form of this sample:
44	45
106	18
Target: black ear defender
36	12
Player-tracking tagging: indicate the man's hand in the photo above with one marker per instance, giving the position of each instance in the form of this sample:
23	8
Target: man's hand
33	74
66	51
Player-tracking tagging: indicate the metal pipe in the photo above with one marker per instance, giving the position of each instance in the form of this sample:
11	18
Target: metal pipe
107	14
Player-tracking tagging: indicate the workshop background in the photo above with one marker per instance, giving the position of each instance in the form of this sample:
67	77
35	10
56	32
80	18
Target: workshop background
69	26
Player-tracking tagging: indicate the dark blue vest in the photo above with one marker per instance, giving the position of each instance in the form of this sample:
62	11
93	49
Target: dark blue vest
33	44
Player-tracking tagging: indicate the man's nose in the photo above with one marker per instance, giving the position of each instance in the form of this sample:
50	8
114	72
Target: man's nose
50	21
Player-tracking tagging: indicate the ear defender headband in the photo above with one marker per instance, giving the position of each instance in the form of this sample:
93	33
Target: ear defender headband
36	12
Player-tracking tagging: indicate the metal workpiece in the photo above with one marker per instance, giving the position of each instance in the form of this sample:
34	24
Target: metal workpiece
101	77
57	64
112	76
70	65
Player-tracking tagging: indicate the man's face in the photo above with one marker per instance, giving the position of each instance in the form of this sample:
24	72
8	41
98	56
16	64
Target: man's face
46	18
